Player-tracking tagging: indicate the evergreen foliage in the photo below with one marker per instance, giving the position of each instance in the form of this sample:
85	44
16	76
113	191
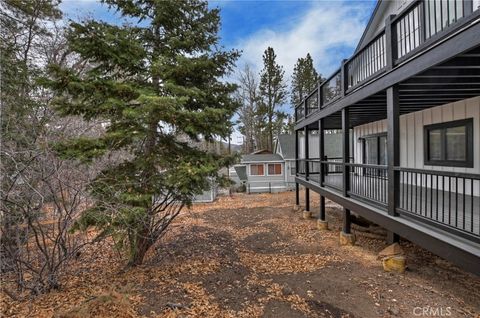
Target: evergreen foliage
156	86
273	93
304	79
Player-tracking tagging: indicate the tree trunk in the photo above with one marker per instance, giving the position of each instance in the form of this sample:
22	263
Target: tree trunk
142	245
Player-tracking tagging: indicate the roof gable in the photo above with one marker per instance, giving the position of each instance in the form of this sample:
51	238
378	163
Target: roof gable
286	143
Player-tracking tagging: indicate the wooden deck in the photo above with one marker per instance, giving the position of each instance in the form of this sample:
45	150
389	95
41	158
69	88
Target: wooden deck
452	209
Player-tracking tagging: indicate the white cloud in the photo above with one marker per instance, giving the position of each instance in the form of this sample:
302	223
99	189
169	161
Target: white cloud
324	31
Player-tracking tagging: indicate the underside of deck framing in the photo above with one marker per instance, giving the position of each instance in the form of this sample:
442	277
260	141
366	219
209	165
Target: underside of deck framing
460	251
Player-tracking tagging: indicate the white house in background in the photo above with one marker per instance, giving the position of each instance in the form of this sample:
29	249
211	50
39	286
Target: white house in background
408	105
263	171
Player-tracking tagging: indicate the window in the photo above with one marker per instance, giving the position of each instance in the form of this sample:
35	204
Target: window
292	168
375	149
257	170
449	144
274	169
375	153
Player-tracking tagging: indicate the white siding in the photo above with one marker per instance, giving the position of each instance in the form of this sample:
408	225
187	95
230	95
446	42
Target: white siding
411	134
330	140
312	145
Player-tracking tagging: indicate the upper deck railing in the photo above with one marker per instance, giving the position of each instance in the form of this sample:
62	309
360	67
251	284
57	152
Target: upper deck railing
419	25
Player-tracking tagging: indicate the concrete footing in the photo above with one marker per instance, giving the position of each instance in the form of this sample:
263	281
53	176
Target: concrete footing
297	208
307	214
347	238
322	225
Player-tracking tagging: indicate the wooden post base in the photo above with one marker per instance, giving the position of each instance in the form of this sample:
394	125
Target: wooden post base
322	225
347	238
307	214
297	208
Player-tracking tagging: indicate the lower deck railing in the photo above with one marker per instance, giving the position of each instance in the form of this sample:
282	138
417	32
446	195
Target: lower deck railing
369	182
446	199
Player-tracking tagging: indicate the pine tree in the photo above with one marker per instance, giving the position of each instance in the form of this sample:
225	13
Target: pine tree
304	79
273	94
247	94
151	81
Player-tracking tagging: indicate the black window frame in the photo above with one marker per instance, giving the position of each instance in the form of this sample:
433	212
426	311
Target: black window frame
377	136
468	162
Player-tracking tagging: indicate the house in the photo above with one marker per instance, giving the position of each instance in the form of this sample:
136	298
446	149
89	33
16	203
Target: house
264	171
407	103
285	147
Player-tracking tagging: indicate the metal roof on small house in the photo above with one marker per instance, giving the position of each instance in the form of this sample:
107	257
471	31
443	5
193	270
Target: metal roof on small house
287	145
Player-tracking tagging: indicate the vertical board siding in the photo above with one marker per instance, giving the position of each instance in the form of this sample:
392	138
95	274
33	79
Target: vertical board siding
411	134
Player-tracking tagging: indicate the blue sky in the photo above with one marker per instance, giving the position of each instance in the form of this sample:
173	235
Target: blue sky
328	30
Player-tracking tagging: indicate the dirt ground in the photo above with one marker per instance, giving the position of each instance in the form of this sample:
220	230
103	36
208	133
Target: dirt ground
252	256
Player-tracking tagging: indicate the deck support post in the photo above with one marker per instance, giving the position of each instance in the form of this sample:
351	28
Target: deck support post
297	186
347	225
306	142
346	238
346	150
321	215
306	213
393	148
321	222
321	151
297	194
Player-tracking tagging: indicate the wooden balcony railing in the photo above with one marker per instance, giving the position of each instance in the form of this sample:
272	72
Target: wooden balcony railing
420	24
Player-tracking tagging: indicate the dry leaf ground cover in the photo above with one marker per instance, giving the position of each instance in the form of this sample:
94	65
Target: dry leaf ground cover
252	256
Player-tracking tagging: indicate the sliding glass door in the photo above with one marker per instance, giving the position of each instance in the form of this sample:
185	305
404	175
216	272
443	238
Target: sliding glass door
375	153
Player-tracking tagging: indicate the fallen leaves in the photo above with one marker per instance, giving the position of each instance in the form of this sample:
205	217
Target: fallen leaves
224	260
280	264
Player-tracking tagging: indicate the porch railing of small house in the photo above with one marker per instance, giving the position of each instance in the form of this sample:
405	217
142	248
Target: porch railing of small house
447	199
419	25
